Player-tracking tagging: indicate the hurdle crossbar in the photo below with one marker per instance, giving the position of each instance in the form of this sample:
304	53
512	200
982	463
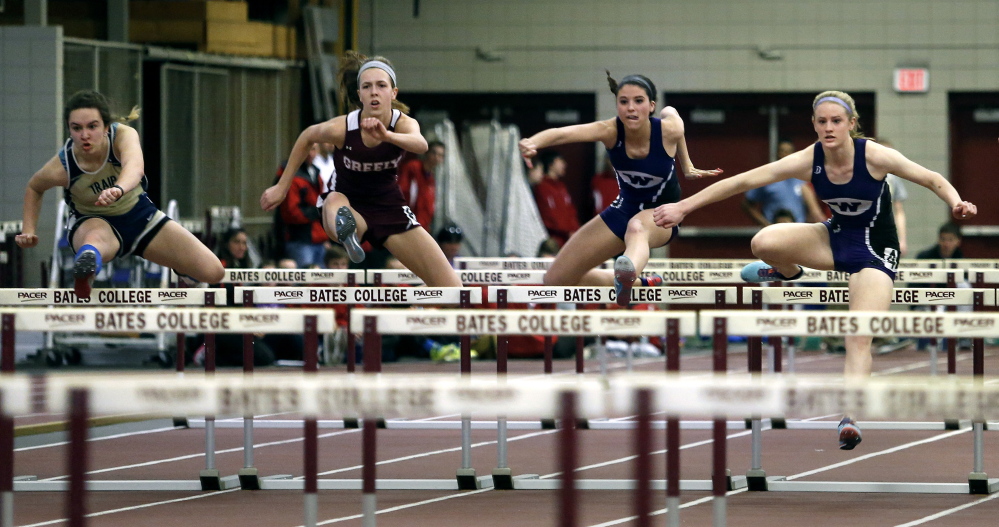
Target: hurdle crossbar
359	295
603	295
294	276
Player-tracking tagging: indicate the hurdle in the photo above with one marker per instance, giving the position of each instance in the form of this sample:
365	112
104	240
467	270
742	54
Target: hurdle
583	295
351	296
753	323
367	396
380	277
527	322
152	320
909	274
189	297
951	297
512	264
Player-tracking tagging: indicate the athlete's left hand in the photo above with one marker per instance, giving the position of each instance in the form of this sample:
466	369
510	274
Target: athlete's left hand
668	215
964	210
696	173
109	196
374	128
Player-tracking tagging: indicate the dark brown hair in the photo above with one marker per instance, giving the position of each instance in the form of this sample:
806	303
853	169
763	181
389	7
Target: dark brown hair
350	64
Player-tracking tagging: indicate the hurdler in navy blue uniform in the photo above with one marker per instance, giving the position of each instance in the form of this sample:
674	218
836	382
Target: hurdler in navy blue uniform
363	201
102	172
848	173
642	149
862	231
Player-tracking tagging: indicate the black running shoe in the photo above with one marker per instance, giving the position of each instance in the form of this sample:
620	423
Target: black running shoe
849	434
84	269
346	232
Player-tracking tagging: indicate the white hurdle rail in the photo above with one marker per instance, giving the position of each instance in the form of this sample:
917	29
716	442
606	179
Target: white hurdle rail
112	297
511	264
370	396
294	276
153	320
375	322
980	277
380	277
841	324
758	297
585	295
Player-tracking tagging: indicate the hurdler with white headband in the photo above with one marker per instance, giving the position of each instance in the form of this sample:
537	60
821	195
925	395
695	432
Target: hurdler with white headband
380	65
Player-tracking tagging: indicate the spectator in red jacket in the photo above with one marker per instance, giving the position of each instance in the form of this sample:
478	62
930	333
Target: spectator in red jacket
416	179
605	187
554	202
304	237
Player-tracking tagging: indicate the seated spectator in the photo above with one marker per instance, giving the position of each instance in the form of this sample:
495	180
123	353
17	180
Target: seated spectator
336	258
449	237
948	244
548	248
783	216
233	250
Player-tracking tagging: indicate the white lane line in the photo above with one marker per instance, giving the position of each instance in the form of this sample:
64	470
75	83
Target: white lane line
941	361
406	506
880	453
948	512
136	507
432	453
201	454
116	436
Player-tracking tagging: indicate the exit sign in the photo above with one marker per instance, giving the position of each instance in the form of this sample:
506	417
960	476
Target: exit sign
912	80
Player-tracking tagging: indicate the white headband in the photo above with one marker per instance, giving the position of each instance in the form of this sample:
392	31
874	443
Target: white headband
380	65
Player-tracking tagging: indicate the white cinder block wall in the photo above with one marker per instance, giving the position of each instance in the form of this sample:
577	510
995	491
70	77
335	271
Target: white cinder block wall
31	129
710	45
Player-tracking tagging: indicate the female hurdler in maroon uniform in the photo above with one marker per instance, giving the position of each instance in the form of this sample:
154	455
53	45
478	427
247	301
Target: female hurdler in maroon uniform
363	201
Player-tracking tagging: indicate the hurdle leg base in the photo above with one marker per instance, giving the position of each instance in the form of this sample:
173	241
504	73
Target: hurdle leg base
548	424
467	480
736	482
757	480
249	479
979	483
25	478
181	422
210	480
502	479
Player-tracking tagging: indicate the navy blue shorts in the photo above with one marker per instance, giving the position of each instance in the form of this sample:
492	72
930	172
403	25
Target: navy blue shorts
134	229
619	213
855	249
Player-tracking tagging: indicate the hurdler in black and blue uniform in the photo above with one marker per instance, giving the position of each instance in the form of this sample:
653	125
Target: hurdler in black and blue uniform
101	170
848	173
862	229
644	151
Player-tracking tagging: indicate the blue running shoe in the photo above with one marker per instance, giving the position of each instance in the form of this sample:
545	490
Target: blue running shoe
760	271
624	279
849	434
346	232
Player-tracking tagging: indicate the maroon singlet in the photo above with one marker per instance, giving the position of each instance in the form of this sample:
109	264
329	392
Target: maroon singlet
368	178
